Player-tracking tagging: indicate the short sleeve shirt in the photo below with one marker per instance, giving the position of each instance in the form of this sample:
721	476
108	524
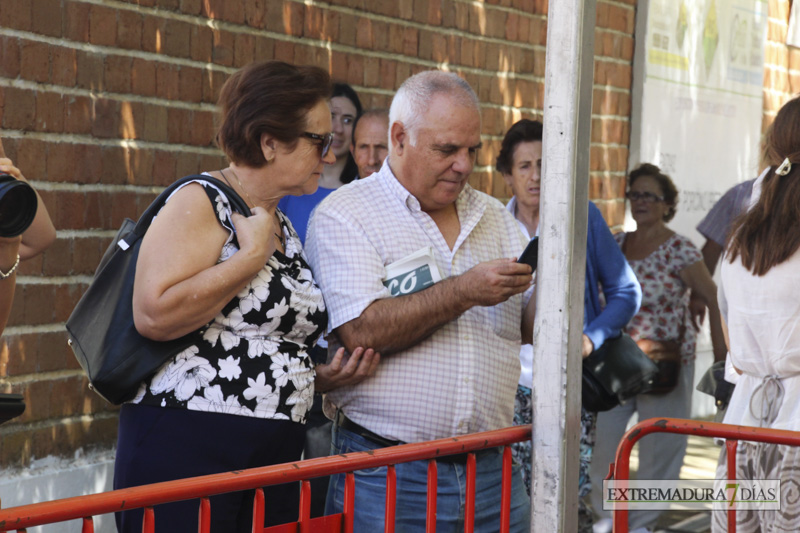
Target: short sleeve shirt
664	314
463	378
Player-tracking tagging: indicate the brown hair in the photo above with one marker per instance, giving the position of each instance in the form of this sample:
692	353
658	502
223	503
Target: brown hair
267	97
668	189
769	233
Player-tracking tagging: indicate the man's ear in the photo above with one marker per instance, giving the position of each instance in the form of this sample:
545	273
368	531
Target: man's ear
398	136
269	146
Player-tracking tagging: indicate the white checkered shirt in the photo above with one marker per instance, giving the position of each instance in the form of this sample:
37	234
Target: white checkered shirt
463	378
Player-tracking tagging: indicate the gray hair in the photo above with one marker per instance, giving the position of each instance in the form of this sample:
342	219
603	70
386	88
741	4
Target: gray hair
415	94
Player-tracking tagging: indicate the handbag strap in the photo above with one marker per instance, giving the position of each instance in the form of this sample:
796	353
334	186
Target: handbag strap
236	201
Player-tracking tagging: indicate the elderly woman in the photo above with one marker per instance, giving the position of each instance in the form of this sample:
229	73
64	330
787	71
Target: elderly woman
520	162
667	266
760	300
238	397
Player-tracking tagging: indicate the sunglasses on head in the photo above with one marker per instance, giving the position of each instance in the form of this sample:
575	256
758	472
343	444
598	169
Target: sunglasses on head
322	141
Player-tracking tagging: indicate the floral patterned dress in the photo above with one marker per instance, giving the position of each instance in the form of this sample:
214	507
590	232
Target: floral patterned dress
252	358
664	312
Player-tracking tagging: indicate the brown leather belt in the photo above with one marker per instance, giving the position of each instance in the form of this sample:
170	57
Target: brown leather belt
348	425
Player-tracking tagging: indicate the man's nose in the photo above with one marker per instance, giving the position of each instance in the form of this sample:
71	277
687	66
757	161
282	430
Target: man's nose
374	158
464	161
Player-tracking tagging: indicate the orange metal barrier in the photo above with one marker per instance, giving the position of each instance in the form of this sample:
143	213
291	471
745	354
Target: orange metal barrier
620	468
147	496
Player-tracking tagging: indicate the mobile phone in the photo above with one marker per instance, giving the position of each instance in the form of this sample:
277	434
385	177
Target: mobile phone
531	254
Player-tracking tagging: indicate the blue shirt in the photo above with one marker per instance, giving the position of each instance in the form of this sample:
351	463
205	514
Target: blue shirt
298	209
606	267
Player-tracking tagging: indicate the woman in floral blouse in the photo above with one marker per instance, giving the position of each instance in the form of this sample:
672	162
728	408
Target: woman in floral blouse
666	265
238	396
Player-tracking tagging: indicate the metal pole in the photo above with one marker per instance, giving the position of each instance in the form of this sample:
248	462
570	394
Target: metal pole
562	259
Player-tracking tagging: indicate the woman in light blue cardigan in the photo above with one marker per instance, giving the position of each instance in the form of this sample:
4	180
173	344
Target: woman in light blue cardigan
520	162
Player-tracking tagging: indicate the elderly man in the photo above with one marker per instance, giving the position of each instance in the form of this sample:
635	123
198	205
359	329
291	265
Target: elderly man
416	264
370	141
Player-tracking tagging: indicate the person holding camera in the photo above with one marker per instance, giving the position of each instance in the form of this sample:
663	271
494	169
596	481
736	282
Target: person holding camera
25	229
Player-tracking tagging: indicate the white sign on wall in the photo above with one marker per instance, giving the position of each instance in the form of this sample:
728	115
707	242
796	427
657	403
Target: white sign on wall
700	70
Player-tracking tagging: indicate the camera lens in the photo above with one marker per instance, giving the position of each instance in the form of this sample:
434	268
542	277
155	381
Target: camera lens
17	206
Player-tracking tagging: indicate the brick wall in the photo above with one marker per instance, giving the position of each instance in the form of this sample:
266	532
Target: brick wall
781	62
104	102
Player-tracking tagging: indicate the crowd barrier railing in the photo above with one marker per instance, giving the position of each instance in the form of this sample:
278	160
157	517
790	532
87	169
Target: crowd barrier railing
620	468
201	488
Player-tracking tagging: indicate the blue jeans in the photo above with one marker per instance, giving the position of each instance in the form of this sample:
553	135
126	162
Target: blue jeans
370	496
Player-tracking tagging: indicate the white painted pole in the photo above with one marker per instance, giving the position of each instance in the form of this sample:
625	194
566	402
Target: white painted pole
562	260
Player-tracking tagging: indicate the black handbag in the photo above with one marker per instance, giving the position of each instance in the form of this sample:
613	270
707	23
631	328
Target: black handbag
614	372
115	357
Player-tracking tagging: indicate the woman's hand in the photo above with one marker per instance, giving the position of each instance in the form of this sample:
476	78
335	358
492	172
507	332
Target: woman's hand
255	234
345	370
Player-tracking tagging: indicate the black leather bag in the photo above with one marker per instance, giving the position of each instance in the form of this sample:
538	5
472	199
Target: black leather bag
101	330
616	371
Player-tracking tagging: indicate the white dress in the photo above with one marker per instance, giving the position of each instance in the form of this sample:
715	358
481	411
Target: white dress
763	317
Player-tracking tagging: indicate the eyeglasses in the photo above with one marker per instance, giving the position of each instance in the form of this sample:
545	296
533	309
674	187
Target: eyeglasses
323	141
648	197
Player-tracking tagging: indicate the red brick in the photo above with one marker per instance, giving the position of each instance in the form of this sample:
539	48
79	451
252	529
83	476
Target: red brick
179	126
152	34
187	163
201	43
46	17
244	49
202	128
284	51
86	254
168	81
129	30
293	18
222	52
264	49
117	74
212	83
254	13
213	9
115	171
348	29
20	109
131	119
16	14
355	70
164	168
89	71
35	59
141	165
77	114
49	112
143	77
176	38
64	164
64	66
76	21
106	118
123	205
9	57
155	123
103	25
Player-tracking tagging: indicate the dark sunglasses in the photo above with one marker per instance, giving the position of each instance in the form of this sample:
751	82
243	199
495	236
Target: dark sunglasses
648	197
323	141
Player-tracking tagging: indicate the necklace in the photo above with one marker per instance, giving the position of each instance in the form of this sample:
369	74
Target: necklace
252	203
279	235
